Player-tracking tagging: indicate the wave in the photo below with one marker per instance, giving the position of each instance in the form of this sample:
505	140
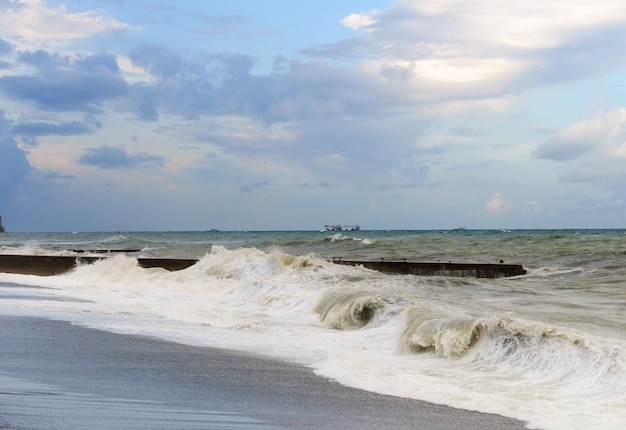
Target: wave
449	337
338	237
455	337
509	345
349	310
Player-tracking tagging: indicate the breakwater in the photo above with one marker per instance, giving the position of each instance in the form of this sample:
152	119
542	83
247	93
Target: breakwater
47	265
475	270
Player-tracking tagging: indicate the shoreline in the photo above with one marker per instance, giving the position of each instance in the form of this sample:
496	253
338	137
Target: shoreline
55	374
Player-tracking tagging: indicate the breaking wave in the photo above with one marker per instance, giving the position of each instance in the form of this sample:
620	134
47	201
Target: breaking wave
516	346
338	237
348	310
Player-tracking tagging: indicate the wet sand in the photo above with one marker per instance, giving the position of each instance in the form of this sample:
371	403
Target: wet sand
57	375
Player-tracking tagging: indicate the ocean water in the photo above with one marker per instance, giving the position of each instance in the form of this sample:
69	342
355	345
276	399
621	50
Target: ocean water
548	347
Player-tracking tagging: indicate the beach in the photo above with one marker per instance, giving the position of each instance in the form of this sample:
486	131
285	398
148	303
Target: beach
54	374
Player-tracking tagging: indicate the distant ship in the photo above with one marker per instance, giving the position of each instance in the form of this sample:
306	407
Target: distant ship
341	228
2	230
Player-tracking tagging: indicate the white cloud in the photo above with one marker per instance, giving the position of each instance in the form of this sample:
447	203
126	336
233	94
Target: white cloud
132	72
437	48
498	204
591	150
525	24
31	23
604	134
357	21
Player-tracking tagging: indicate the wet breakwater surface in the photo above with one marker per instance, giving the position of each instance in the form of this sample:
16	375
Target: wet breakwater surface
547	347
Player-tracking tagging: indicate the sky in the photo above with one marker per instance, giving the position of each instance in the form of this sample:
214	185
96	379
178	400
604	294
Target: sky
120	115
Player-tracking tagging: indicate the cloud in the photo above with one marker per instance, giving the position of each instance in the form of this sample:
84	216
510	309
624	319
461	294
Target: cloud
5	47
49	128
407	177
590	151
159	60
605	129
447	50
111	158
14	165
253	186
56	177
357	21
61	83
402	100
34	22
498	204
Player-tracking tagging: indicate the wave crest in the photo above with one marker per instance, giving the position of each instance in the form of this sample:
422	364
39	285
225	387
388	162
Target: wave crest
493	339
450	337
349	310
338	237
252	263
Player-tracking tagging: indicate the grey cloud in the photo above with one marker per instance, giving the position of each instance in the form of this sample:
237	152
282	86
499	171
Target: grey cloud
13	162
563	149
407	177
85	86
220	84
48	128
55	176
253	186
159	60
14	167
5	47
111	158
465	131
225	84
65	93
43	60
234	64
147	104
97	63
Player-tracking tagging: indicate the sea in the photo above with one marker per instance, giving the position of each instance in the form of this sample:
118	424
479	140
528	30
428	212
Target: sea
547	347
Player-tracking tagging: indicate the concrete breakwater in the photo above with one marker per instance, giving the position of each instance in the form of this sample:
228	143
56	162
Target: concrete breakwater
48	265
475	270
